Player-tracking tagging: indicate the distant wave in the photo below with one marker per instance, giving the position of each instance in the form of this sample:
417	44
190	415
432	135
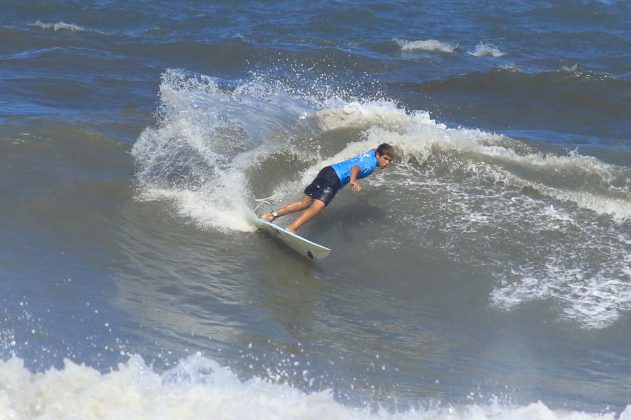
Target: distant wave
426	45
432	45
516	91
569	78
570	69
59	26
200	387
487	50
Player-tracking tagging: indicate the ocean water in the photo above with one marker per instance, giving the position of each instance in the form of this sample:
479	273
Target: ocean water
486	274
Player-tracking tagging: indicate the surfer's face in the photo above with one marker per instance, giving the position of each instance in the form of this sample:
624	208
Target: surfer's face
383	161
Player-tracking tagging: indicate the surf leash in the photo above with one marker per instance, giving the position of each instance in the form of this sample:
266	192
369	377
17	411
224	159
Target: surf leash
266	200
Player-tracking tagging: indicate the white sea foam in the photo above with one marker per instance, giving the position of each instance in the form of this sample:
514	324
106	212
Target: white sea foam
583	272
487	50
200	388
533	251
426	45
423	137
205	210
593	297
207	140
558	215
59	26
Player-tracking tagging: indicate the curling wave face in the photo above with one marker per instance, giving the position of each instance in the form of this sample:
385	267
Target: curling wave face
217	147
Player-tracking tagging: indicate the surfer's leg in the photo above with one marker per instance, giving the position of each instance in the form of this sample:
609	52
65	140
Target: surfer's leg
316	207
290	208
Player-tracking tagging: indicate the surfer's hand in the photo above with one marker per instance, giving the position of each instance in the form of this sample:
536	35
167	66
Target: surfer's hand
355	186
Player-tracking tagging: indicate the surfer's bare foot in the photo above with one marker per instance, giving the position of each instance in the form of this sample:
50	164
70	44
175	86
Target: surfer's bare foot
294	231
270	217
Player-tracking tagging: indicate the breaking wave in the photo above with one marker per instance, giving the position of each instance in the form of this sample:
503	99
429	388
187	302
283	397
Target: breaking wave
216	147
209	138
199	387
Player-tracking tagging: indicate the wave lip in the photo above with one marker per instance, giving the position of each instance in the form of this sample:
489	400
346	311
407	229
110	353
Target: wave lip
359	116
432	45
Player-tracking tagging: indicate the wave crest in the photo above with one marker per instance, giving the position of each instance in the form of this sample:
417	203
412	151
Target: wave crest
484	49
211	140
432	45
59	26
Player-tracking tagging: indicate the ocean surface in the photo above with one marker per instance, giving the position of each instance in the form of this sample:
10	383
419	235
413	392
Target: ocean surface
486	274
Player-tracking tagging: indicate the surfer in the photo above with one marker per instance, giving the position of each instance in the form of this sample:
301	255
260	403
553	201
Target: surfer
329	180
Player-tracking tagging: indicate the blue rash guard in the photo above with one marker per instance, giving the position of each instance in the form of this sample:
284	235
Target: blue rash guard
367	163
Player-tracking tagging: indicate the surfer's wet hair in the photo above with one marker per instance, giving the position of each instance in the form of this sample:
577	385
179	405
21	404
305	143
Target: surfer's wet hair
385	149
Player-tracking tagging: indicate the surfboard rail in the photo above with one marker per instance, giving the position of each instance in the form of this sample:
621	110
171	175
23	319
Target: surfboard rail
301	245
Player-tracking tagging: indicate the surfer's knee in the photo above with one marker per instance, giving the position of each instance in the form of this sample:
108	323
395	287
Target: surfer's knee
306	202
318	205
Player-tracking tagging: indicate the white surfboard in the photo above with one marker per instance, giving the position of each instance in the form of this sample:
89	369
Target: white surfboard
301	245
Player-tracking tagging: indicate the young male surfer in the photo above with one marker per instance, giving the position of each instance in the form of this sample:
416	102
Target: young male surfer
330	179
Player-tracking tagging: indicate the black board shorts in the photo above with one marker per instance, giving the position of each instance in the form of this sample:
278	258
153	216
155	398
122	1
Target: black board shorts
324	186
